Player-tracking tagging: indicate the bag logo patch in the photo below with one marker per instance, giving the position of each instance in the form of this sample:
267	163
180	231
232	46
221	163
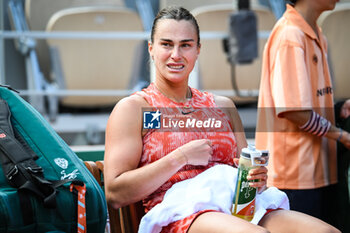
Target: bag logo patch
61	162
71	175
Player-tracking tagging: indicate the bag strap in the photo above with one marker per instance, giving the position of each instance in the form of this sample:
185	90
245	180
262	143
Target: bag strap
15	157
80	190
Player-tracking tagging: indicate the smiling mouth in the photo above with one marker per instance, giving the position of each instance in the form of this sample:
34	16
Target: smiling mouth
176	67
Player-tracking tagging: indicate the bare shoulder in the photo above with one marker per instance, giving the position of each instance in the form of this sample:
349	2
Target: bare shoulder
224	102
132	102
229	108
129	105
127	114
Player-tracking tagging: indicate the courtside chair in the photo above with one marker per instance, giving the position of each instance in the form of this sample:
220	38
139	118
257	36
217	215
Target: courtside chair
214	69
335	26
122	220
38	14
94	64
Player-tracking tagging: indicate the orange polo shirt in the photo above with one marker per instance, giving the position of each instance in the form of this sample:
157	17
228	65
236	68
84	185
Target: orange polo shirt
295	76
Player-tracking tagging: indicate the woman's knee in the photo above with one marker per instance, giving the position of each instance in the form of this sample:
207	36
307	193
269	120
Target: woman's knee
263	230
297	223
328	229
224	223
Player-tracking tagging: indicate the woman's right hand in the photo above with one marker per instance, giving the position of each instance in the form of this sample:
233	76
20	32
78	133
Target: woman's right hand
197	152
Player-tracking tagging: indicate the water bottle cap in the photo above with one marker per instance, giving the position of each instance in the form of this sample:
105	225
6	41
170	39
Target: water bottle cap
249	152
258	158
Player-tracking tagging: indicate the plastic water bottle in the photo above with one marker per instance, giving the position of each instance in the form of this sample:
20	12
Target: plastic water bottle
244	198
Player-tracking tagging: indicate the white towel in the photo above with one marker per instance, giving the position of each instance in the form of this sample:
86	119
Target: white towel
212	189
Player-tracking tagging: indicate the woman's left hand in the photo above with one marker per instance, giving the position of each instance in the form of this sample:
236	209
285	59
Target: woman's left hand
258	177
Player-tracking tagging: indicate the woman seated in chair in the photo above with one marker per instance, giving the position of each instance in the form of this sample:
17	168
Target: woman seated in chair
142	164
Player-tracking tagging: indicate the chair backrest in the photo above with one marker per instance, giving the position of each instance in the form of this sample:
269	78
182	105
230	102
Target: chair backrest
193	4
335	26
39	12
95	63
214	69
125	219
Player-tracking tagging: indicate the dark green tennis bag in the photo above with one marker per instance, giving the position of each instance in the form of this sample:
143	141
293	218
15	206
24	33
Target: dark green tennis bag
42	180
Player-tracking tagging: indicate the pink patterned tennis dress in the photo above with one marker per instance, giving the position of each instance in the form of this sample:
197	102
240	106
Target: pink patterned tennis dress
160	142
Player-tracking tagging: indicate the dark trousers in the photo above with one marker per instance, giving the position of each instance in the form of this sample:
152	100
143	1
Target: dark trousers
314	202
324	203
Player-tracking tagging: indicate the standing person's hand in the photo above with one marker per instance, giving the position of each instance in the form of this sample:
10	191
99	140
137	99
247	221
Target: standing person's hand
197	152
345	139
345	109
345	113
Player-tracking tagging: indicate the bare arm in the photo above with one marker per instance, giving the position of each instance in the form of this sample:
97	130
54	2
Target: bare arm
230	109
125	183
301	117
259	173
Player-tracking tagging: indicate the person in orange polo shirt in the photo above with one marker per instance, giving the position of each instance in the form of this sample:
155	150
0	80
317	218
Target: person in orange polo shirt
296	113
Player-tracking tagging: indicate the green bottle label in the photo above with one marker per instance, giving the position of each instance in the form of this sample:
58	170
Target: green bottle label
244	198
245	193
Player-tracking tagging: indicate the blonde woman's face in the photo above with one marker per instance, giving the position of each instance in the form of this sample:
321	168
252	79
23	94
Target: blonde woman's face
174	49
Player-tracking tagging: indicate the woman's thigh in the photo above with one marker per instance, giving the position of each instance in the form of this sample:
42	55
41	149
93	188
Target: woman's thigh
224	223
296	222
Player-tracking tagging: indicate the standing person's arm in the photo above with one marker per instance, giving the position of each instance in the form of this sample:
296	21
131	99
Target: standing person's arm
301	118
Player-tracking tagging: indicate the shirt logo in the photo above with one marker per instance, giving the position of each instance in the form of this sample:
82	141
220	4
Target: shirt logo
324	91
151	119
2	135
